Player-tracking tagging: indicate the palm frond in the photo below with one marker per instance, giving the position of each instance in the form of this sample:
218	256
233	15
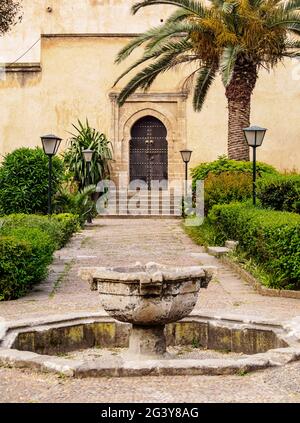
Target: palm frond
146	77
228	7
206	76
291	5
292	44
193	6
137	42
179	47
294	27
178	16
227	63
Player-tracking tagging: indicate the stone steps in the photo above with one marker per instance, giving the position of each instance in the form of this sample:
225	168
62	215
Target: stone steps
144	203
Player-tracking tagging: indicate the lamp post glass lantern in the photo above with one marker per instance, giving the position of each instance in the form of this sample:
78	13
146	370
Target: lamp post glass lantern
50	145
186	157
88	157
254	136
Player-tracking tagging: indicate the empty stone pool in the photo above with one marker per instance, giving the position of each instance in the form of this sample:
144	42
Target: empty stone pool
95	346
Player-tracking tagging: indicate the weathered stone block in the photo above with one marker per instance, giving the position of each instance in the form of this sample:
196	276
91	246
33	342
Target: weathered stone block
219	337
231	245
218	251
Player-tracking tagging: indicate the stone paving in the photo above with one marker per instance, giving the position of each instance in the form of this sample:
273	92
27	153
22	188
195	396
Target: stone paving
272	385
122	241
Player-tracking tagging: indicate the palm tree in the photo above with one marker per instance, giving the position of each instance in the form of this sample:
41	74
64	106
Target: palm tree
234	38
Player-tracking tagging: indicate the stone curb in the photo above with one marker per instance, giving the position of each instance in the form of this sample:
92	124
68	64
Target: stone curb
262	290
97	368
126	368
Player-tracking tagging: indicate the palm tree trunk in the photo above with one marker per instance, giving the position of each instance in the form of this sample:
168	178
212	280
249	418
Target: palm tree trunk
238	93
238	118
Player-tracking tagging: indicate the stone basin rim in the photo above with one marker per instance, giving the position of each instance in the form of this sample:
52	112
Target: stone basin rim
152	272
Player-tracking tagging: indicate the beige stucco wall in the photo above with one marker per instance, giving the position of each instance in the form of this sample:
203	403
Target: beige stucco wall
74	17
78	73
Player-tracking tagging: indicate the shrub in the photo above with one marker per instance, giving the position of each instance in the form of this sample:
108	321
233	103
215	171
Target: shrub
280	192
87	137
59	227
226	187
271	238
27	243
24	181
226	165
24	257
79	203
68	223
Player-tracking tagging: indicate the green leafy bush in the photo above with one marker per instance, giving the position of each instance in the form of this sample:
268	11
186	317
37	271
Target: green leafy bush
223	164
280	192
225	187
78	202
24	181
59	227
68	224
27	243
271	238
24	257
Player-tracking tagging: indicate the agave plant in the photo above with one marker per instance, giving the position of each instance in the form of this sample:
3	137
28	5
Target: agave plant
232	37
87	137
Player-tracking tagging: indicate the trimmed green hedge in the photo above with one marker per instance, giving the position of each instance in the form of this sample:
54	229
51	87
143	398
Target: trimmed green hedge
271	238
223	164
27	244
59	227
226	187
280	192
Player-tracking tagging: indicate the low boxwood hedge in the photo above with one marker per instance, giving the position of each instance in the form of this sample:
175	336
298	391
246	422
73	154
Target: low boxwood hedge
226	187
27	244
59	227
271	238
280	192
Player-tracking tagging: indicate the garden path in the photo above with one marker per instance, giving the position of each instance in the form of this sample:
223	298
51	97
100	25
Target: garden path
113	242
125	241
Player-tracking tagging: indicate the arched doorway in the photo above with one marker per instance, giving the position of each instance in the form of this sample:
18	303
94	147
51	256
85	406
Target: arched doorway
148	151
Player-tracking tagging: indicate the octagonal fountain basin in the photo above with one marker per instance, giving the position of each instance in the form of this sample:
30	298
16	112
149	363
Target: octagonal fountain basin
148	296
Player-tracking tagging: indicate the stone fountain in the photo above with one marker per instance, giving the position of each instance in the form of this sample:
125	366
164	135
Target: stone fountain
148	296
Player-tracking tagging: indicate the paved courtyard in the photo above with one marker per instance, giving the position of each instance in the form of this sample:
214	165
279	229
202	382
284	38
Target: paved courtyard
123	241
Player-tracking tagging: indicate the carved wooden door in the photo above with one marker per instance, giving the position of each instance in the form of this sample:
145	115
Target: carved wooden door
148	151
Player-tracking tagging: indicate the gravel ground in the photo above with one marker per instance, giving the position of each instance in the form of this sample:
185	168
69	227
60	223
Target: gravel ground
176	353
273	385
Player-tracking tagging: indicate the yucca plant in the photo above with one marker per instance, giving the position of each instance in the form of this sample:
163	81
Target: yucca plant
78	203
232	37
87	137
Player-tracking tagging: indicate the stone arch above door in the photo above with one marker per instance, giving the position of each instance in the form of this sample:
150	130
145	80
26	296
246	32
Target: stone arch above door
143	113
169	108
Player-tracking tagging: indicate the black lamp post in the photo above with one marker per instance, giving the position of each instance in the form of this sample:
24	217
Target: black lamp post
186	157
254	136
88	156
51	145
